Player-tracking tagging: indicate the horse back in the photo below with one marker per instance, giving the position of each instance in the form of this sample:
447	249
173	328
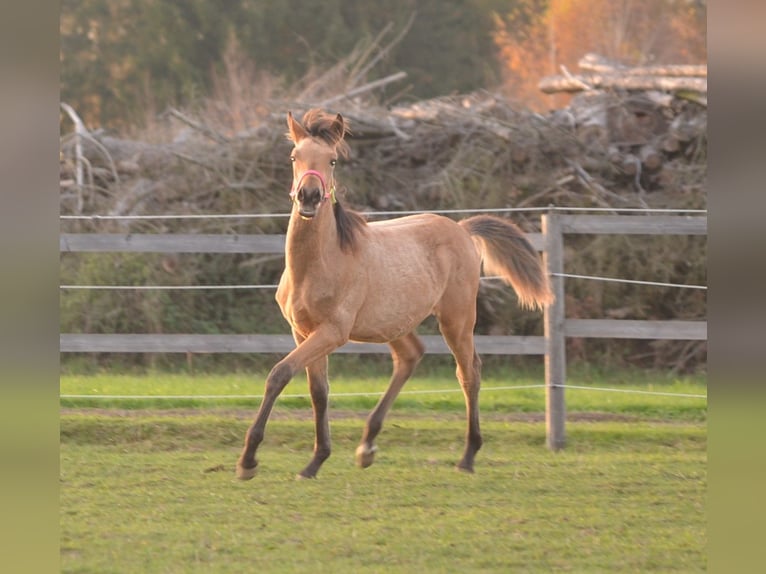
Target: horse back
410	264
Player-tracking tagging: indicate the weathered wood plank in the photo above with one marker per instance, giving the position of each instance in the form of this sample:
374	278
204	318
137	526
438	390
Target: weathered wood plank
553	320
181	343
171	243
187	243
633	329
537	240
634	225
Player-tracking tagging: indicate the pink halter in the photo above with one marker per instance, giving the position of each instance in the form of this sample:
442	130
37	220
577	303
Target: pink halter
328	193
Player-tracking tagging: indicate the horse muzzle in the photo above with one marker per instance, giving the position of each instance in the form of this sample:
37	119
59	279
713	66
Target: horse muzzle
308	199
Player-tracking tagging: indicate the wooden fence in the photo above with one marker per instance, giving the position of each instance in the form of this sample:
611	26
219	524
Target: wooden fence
556	326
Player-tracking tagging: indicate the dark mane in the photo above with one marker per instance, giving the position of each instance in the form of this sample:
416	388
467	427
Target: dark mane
349	225
319	125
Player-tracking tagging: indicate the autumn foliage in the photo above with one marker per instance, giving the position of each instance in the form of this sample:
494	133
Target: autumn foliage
537	37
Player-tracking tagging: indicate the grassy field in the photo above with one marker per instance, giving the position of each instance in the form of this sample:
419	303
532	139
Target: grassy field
147	485
435	391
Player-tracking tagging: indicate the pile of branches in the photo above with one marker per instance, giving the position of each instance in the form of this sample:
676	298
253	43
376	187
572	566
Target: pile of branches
606	149
616	147
646	120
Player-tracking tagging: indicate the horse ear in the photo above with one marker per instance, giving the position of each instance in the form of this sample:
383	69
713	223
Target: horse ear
339	127
296	130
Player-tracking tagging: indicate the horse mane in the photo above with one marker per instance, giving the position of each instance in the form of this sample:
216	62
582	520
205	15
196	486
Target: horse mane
349	224
320	125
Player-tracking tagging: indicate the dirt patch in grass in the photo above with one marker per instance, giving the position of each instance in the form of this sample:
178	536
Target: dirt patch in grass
341	414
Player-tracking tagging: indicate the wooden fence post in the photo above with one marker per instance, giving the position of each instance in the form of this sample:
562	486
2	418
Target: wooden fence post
555	349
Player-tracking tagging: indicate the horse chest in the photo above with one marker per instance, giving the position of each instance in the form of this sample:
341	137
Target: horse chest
305	309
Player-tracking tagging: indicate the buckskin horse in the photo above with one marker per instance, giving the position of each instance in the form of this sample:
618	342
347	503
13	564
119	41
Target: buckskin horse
349	280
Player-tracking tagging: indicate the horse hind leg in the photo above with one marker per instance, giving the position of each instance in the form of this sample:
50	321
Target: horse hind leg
459	338
406	353
471	384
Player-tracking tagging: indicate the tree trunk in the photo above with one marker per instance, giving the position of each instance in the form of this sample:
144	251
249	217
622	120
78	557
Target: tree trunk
601	65
578	83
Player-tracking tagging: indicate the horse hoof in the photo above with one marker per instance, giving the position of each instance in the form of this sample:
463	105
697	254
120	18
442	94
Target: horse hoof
301	476
245	473
465	469
365	455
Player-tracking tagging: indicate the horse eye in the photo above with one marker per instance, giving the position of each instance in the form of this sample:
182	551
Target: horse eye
292	158
333	162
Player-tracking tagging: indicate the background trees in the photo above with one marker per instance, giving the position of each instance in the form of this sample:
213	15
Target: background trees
536	37
123	61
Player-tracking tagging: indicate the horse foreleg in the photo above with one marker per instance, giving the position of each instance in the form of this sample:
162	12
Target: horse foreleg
319	389
278	378
319	344
406	353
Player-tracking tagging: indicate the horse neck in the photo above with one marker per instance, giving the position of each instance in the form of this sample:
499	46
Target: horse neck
311	246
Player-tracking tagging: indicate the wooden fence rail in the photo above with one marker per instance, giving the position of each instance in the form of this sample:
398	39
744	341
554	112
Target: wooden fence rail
556	326
187	243
169	343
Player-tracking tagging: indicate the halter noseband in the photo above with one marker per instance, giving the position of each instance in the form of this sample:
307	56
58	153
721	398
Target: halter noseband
326	193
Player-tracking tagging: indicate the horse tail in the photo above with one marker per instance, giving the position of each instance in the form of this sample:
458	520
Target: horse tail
505	251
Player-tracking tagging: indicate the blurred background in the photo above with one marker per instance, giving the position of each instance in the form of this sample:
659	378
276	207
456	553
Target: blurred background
453	105
124	61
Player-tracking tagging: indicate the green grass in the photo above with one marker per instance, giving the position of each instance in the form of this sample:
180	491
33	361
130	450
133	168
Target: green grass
149	493
153	489
419	395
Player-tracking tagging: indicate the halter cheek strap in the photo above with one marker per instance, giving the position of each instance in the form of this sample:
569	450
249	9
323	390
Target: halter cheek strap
327	193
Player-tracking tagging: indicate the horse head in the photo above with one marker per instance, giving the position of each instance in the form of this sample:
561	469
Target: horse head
318	141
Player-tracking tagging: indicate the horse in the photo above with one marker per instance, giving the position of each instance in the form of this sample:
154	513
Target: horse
346	279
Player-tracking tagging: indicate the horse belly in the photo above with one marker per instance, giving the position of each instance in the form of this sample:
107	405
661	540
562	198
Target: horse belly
389	316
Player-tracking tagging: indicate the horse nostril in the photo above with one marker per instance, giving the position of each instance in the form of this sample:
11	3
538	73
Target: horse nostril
309	194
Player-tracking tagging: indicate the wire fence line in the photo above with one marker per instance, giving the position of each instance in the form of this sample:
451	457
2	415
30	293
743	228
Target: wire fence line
193	216
631	391
378	393
273	286
630	281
